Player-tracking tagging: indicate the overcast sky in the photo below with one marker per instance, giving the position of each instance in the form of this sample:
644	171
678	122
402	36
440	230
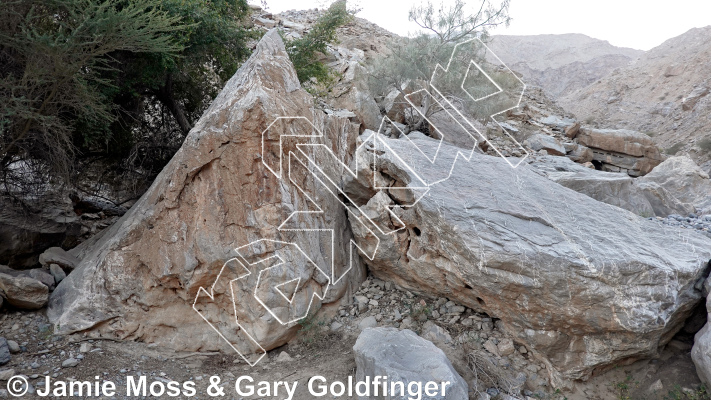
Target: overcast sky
640	24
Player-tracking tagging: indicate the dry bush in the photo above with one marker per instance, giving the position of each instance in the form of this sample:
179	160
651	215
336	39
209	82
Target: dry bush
487	373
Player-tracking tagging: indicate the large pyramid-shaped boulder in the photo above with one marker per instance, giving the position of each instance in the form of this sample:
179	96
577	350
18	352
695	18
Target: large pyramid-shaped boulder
215	219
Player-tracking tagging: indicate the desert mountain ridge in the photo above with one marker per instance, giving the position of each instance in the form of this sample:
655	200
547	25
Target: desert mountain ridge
562	63
664	94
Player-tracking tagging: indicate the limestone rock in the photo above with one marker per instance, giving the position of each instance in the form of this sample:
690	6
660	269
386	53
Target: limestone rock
548	143
572	131
640	196
621	150
24	292
689	102
580	154
141	278
57	272
682	177
57	255
359	100
581	285
403	356
435	333
42	276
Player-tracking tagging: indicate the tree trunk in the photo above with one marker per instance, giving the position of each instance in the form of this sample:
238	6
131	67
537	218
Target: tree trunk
165	96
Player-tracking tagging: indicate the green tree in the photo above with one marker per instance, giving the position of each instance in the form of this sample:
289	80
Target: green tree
412	60
103	77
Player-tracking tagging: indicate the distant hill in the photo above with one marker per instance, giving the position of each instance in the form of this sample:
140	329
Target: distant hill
664	93
561	64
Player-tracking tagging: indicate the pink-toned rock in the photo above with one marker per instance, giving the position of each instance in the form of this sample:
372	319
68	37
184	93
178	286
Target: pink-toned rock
141	278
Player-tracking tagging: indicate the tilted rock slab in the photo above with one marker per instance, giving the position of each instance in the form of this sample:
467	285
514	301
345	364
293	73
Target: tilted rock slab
583	284
140	279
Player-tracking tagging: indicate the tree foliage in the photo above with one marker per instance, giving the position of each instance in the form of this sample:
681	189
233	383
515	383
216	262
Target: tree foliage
304	52
412	60
81	78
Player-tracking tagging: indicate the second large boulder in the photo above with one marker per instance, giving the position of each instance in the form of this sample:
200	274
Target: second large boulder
583	284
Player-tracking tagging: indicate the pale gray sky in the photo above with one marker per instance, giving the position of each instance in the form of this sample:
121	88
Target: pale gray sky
640	24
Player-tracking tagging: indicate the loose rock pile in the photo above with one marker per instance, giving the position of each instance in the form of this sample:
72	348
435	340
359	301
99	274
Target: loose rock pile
449	325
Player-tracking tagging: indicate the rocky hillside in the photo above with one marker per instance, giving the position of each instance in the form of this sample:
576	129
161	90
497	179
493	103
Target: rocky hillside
665	94
561	64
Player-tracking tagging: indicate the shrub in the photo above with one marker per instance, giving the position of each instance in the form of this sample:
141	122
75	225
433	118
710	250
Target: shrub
674	149
304	51
705	144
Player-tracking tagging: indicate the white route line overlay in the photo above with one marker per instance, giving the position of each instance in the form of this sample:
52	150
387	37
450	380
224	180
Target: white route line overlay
374	139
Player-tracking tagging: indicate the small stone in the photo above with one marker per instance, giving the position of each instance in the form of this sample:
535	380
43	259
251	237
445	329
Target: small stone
34	365
336	325
506	347
13	346
284	357
85	347
373	303
57	272
368	322
6	374
656	387
491	347
5	356
70	362
522	350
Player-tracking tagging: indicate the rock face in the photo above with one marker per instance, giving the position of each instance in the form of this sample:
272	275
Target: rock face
141	278
24	292
403	356
582	285
621	150
638	195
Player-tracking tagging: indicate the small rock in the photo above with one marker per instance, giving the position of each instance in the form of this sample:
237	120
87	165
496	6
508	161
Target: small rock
24	292
284	356
13	346
506	347
57	255
491	347
335	325
368	322
6	374
85	347
57	272
4	352
656	387
69	363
